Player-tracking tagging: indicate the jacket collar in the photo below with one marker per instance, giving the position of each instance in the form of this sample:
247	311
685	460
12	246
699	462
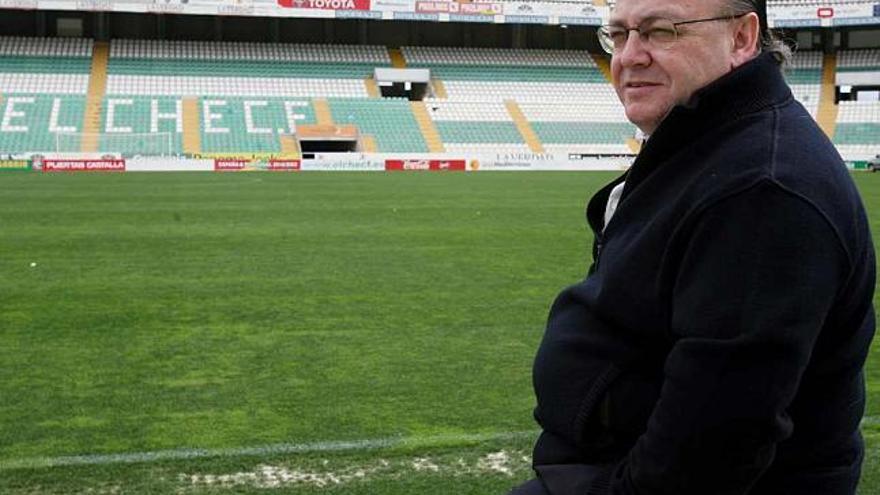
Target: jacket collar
750	88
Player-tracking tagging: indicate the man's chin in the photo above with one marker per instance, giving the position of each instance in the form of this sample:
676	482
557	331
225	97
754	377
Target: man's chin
646	121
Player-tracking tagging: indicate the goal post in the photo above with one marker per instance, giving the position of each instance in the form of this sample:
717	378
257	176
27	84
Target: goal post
126	144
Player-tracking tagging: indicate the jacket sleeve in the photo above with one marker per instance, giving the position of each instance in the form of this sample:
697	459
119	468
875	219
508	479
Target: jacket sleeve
753	284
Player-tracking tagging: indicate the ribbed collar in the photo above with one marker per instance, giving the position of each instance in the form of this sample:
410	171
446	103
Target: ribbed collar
752	87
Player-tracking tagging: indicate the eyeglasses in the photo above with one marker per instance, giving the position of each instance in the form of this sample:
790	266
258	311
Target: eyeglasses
657	33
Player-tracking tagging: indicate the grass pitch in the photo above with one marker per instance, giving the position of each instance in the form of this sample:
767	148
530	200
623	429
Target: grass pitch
286	333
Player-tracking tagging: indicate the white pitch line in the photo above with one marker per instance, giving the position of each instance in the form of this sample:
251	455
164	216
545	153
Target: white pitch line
281	448
871	420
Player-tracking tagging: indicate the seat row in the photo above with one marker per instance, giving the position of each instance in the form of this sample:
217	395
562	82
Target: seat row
233	86
859	59
55	47
213	50
497	56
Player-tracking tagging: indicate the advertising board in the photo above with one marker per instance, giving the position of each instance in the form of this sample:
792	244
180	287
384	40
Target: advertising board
168	164
822	15
425	164
536	162
284	165
326	4
489	11
393	5
455	7
230	164
562	9
15	165
77	165
18	4
344	162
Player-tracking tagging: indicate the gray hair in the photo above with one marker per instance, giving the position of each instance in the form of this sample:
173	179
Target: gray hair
768	41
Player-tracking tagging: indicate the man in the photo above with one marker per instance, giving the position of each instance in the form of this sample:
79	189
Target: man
716	346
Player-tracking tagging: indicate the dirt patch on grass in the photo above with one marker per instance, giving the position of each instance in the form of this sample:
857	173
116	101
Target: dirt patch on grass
502	462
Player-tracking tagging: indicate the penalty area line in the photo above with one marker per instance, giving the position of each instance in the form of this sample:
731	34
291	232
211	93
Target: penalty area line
274	449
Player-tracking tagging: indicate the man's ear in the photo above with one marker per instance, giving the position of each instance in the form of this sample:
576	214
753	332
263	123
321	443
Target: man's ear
746	33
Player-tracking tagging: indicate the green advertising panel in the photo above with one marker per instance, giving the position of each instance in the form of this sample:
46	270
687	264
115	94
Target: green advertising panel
14	165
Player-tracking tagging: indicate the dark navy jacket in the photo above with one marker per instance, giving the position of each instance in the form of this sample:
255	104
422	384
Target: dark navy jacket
717	345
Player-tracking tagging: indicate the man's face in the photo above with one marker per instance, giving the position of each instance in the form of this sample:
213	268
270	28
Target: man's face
650	81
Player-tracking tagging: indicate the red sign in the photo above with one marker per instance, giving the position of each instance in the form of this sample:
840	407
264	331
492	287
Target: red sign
326	4
112	165
230	164
433	165
824	12
284	164
407	165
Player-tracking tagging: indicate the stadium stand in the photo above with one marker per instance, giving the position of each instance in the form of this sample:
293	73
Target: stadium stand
858	127
858	123
43	86
484	126
390	121
246	95
805	78
859	61
174	97
565	101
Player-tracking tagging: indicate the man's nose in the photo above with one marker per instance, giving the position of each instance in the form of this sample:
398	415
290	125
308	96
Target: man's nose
635	51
